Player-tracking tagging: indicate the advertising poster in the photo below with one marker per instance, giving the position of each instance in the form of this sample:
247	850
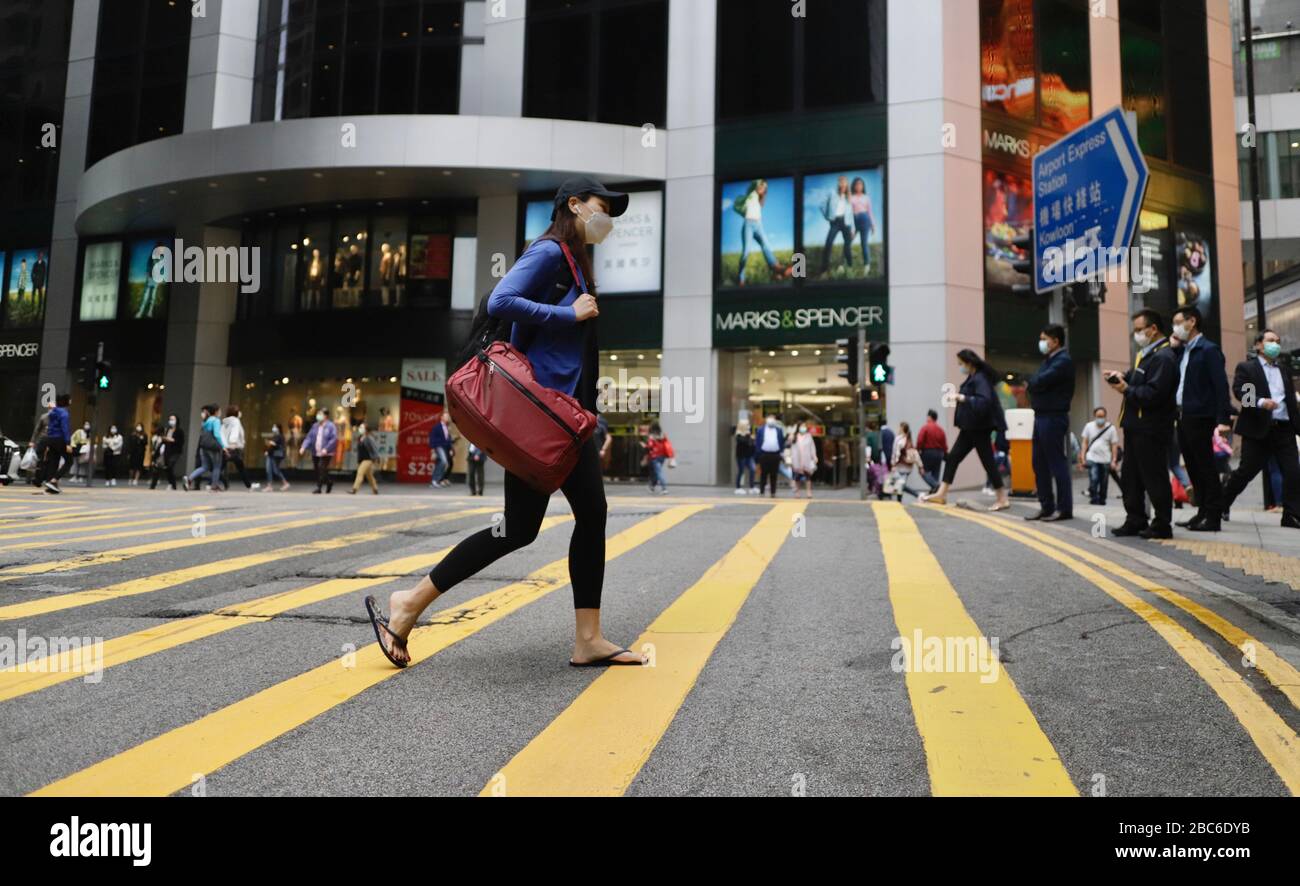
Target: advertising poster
146	297
630	259
1195	277
843	225
757	228
1008	57
537	218
101	270
29	271
1008	214
424	397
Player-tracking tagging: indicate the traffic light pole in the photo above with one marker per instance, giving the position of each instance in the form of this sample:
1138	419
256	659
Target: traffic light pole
862	415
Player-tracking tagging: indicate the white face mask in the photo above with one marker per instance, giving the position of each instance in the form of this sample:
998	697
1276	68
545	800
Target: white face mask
320	416
598	225
1043	346
771	422
1180	331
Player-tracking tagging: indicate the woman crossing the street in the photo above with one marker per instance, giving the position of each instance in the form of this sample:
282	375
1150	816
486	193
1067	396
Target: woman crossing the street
553	311
979	415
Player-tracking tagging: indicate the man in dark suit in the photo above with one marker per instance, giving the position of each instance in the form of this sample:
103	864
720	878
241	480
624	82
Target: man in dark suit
1147	418
1203	405
1268	424
1051	389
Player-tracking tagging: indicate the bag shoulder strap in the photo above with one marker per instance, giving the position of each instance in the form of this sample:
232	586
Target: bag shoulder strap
573	267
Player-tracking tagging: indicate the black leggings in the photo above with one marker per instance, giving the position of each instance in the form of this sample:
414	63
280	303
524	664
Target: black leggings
982	443
525	509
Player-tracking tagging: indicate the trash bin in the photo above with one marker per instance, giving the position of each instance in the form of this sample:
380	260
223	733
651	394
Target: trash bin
1020	434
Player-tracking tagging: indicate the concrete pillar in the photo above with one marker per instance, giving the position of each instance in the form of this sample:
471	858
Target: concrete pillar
60	300
471	58
1227	206
199	316
223	52
936	263
1113	321
688	243
503	58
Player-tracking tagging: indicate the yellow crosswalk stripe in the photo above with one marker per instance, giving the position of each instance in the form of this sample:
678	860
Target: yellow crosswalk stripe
174	524
163	580
980	737
52	670
72	515
167	763
1276	741
1276	669
86	561
11	514
597	745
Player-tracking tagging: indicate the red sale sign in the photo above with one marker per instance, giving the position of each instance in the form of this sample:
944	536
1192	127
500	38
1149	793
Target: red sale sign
424	397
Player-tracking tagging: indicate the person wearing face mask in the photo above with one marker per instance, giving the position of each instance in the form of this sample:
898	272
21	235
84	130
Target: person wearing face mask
211	447
275	451
171	448
1202	399
978	417
321	441
553	309
136	446
1099	455
769	443
1268	424
112	454
1051	389
81	444
1147	418
803	459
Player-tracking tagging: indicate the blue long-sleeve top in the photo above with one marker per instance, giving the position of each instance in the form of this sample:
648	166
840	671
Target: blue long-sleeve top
58	427
213	424
438	437
549	335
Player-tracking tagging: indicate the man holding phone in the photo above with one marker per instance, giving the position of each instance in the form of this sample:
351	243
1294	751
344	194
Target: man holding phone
1147	417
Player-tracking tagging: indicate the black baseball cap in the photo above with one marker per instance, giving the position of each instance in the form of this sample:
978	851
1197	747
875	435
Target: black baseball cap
585	184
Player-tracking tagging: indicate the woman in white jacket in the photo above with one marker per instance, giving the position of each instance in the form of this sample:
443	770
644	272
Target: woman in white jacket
232	432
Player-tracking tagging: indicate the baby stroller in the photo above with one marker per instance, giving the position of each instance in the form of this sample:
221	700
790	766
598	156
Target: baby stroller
11	456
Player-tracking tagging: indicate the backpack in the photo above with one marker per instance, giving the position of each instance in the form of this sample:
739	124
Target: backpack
486	330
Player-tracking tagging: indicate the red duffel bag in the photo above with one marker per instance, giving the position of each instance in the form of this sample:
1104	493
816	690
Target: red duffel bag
534	432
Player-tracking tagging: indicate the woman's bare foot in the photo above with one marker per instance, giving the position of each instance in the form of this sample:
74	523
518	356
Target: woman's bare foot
589	645
600	649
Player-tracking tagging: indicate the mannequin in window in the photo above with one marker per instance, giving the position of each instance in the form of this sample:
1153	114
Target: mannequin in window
315	281
399	274
387	275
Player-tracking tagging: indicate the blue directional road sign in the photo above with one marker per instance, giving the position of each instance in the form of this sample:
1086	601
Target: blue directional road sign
1088	190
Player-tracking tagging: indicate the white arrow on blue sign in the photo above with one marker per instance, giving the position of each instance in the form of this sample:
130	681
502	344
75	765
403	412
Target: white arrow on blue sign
1088	190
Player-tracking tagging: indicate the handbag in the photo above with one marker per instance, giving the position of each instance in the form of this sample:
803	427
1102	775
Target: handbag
29	459
534	432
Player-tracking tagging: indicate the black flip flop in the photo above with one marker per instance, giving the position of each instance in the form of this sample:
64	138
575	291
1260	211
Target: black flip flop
377	619
607	661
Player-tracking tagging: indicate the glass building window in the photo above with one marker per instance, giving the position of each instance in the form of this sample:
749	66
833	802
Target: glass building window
625	43
1165	76
1034	61
358	57
34	36
141	64
771	62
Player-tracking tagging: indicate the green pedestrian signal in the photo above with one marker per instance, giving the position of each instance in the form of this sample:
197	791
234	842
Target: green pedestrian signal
879	374
103	375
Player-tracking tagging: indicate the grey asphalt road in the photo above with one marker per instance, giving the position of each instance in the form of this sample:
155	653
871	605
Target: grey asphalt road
1122	667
